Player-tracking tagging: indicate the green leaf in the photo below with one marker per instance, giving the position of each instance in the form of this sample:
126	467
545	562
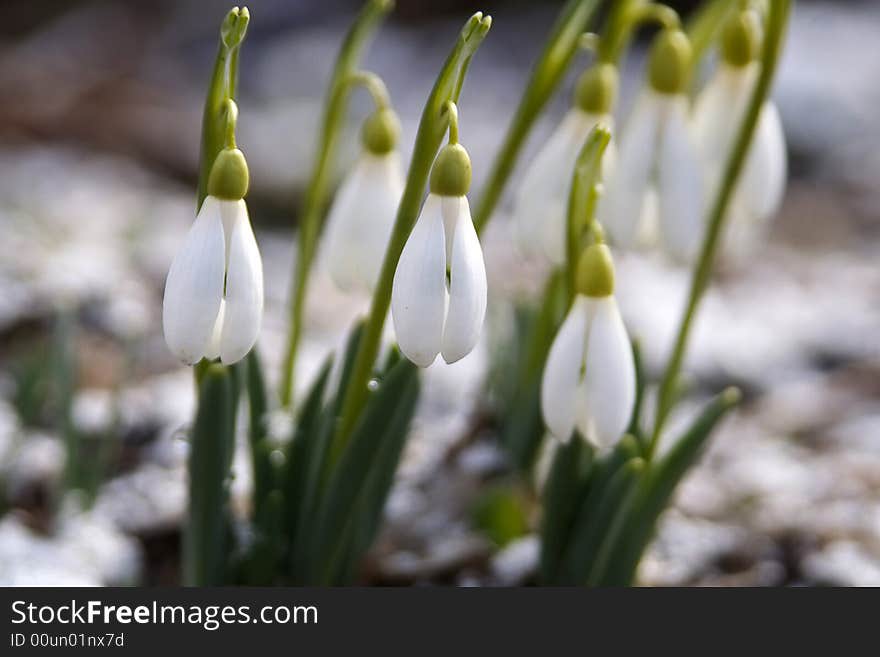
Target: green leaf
295	473
635	423
567	483
588	528
656	490
261	464
205	539
387	414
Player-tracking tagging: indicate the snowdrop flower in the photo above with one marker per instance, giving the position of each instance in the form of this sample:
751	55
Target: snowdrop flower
213	302
542	200
362	215
438	298
658	158
589	380
719	112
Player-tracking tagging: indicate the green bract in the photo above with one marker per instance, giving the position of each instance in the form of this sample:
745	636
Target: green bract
595	273
451	175
596	89
669	63
229	175
381	131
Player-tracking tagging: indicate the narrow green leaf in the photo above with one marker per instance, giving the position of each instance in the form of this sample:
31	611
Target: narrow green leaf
611	516
657	488
205	539
296	467
569	476
261	464
580	550
387	413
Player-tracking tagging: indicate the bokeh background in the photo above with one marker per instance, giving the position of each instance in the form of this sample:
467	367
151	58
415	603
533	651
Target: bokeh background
99	129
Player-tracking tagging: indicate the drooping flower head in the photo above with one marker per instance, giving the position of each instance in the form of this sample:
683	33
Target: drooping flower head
656	190
213	303
542	199
589	380
438	298
719	111
362	216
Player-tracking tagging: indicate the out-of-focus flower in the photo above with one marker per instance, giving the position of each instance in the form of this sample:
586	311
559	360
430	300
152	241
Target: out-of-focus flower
438	298
213	303
362	216
656	190
589	381
719	111
542	198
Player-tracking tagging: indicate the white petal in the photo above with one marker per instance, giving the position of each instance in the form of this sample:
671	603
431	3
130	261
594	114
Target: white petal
719	110
467	289
418	294
212	350
542	199
360	221
194	286
762	185
610	379
244	289
621	207
680	190
563	371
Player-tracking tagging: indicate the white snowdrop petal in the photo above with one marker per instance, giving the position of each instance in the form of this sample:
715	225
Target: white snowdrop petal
679	186
467	289
360	221
418	294
562	372
243	314
212	350
762	185
610	383
542	199
620	208
718	112
194	287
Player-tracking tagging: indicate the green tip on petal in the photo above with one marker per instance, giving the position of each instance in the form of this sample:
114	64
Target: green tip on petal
669	63
229	178
741	39
381	131
596	89
595	272
451	175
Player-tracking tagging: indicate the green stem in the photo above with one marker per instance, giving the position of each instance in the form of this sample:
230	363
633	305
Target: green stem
703	28
221	89
318	189
432	129
582	198
560	49
775	32
618	31
374	85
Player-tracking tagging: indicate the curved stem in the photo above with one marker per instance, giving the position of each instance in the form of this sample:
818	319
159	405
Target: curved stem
777	20
231	122
451	111
374	85
432	129
559	50
317	192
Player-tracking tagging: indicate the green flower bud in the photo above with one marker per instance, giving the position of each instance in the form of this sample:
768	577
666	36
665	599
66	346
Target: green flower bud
595	272
596	89
229	177
669	62
451	175
381	131
741	39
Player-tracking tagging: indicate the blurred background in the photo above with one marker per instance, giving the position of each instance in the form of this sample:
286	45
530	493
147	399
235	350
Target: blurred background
99	132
